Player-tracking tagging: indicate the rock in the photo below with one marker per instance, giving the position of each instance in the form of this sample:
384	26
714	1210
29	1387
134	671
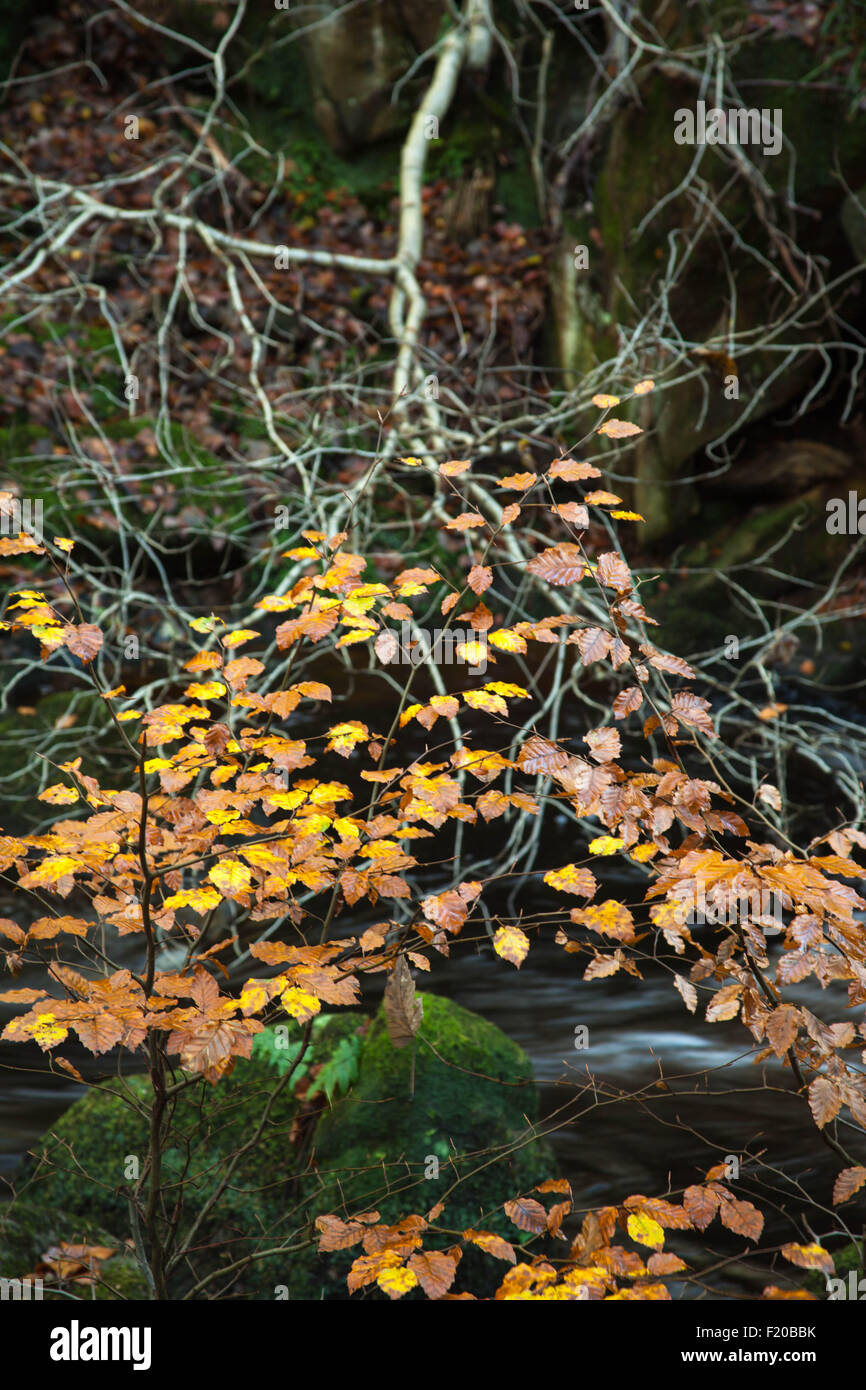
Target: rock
377	1148
355	55
77	1173
28	1230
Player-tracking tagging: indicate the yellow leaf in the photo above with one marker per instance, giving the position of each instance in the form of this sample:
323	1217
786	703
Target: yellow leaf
50	870
129	714
58	794
644	1229
299	1003
63	543
46	1031
206	690
396	1282
204	624
605	844
511	944
199	899
231	877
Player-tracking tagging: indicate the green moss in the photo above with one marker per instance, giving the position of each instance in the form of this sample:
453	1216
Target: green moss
81	1167
471	1105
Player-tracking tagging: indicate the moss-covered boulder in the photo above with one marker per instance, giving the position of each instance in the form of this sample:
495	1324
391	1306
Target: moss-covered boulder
30	1232
462	1137
88	1164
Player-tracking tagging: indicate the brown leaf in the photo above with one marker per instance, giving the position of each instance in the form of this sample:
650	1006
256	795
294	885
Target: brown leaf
539	755
782	1028
434	1271
480	578
84	641
825	1101
560	564
701	1203
614	572
403	1012
849	1181
527	1214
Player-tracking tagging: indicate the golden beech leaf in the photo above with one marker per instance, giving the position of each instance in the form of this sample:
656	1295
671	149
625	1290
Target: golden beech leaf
570	471
809	1257
231	877
59	794
618	429
492	1245
299	1003
465	521
396	1281
511	944
454	466
645	1229
519	481
605	844
600	498
572	879
507	640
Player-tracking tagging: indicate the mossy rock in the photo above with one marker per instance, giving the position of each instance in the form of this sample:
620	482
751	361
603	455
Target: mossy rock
473	1104
27	1232
81	1167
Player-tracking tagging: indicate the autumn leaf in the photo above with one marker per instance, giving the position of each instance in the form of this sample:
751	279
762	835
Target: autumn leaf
688	992
527	1214
433	1270
644	1229
511	944
539	755
403	1012
560	564
618	429
231	877
849	1181
480	578
825	1101
605	844
572	879
571	471
809	1257
492	1245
